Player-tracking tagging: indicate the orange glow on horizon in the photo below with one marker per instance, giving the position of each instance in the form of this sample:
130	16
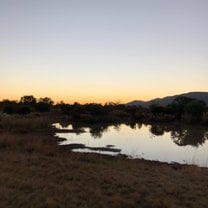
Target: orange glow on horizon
92	98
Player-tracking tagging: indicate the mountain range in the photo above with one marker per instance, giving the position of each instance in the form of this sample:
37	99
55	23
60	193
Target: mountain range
167	100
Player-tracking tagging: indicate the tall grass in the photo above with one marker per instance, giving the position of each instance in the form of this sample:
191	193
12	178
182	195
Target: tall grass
14	123
28	143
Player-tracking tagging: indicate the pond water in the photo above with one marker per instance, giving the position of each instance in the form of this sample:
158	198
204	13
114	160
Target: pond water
165	143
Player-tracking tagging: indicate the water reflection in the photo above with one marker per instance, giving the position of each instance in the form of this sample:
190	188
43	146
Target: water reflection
157	130
182	135
97	131
163	142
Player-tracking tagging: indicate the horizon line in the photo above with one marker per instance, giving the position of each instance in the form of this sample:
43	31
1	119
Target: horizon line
105	102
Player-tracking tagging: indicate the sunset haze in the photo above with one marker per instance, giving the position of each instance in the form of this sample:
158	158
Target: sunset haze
102	51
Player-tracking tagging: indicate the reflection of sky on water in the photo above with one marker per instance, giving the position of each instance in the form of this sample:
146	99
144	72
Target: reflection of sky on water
59	126
141	143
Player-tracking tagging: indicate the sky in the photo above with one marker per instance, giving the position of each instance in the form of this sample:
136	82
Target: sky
102	50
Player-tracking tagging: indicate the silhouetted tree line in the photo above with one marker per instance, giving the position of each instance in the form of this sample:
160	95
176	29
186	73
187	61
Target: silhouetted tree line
26	105
181	109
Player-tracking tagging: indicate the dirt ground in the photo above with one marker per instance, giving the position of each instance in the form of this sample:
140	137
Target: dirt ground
35	172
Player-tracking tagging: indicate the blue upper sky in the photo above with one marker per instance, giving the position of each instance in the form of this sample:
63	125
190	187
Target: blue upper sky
103	50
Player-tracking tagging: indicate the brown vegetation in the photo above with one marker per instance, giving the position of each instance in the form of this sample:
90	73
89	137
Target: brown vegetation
25	124
35	172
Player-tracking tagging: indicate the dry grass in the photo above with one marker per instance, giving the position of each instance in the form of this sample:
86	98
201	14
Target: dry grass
15	123
28	143
36	173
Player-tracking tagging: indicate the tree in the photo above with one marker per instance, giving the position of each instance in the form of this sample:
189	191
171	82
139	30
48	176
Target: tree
178	105
44	104
28	99
46	100
8	106
183	106
94	109
194	110
156	109
9	109
24	109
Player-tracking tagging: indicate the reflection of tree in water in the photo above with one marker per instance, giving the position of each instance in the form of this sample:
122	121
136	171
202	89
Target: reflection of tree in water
139	125
157	130
182	135
97	131
134	125
189	136
78	128
64	124
117	127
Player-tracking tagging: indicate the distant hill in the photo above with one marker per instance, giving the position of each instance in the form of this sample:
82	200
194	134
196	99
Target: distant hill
167	100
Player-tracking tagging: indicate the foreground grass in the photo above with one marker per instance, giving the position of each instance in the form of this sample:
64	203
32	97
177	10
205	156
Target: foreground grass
35	172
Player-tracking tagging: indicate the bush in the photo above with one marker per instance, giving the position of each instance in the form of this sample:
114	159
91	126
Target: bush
43	107
194	110
23	110
10	109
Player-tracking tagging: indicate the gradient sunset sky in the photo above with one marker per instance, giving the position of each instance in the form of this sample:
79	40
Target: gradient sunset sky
103	50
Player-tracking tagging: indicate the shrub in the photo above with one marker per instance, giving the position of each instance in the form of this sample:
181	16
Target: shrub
42	107
23	110
10	109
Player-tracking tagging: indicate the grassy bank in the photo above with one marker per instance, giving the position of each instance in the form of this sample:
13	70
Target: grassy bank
35	172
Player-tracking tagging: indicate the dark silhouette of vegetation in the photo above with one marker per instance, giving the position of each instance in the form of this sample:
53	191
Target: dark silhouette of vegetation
7	106
28	100
9	109
23	109
157	110
44	104
181	109
157	130
195	110
26	105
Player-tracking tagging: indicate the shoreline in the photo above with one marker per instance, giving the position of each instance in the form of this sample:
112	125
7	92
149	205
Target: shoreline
36	172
